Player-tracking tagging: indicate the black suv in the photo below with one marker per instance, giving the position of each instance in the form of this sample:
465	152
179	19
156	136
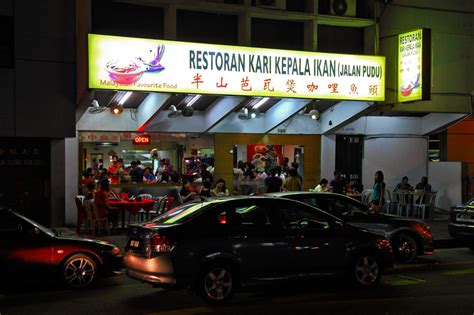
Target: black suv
215	246
408	237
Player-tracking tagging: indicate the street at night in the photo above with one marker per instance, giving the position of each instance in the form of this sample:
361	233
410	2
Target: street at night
440	284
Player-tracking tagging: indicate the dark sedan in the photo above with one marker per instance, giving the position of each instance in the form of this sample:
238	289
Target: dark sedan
32	253
215	246
408	237
461	223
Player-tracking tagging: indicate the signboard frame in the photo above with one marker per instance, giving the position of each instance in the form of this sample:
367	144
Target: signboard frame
184	67
414	85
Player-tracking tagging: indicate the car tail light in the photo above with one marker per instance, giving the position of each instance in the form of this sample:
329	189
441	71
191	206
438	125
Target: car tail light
161	244
116	251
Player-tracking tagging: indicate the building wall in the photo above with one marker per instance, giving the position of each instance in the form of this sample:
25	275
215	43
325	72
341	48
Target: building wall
460	140
452	48
312	153
395	157
460	143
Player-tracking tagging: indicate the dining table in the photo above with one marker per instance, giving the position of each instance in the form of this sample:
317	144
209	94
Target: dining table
132	206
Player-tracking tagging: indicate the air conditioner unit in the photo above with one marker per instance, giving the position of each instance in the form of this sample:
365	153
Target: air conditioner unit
343	7
272	4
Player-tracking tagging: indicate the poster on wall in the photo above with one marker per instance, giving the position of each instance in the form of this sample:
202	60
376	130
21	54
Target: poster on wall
137	64
264	157
414	66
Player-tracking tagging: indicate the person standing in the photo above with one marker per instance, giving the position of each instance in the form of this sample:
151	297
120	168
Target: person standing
378	194
292	182
338	184
273	182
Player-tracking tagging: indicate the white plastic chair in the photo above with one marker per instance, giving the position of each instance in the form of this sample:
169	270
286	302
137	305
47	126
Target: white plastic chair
403	202
366	196
426	201
142	213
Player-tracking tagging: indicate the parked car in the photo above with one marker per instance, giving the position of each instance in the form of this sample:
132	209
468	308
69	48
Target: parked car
32	252
409	237
461	223
216	246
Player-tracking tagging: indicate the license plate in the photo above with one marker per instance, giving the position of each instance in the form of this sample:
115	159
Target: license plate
134	243
465	217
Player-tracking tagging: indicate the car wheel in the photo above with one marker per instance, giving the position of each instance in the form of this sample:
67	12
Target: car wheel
79	271
405	248
367	270
216	285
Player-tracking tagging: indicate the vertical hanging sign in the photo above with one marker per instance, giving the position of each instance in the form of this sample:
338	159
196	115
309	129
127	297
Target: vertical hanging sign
414	65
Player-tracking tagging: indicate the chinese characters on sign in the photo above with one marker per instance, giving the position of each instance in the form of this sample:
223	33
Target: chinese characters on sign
122	63
99	137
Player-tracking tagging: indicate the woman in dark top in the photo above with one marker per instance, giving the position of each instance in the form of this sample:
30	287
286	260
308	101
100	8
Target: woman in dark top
404	185
378	193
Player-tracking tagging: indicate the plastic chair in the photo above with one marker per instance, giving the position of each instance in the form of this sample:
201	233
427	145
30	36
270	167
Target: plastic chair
427	201
81	212
388	200
403	202
94	219
366	196
142	213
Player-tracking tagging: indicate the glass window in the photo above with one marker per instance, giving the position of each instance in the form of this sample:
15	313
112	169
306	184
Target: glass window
183	213
303	218
245	215
345	207
312	201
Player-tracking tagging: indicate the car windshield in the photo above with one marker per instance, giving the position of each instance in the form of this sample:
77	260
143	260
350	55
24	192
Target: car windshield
183	213
39	226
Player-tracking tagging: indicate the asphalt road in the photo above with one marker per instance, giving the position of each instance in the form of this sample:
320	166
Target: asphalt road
440	284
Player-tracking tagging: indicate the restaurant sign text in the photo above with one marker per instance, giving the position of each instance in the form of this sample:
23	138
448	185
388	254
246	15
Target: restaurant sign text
135	64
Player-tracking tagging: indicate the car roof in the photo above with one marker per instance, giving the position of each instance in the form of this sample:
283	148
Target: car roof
291	193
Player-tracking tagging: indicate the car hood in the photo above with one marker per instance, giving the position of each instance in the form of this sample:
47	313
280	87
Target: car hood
87	242
395	218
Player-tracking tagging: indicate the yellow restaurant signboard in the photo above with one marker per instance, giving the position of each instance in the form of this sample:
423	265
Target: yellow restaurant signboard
414	65
136	64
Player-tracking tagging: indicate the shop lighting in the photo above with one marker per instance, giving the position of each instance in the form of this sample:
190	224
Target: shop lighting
193	100
253	115
124	98
116	109
261	102
314	113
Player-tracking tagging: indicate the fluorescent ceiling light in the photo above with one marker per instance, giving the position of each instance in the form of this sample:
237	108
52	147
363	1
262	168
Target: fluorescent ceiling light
261	102
194	99
124	98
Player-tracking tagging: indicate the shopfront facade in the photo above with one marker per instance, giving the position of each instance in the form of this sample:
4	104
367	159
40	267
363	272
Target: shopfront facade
376	132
